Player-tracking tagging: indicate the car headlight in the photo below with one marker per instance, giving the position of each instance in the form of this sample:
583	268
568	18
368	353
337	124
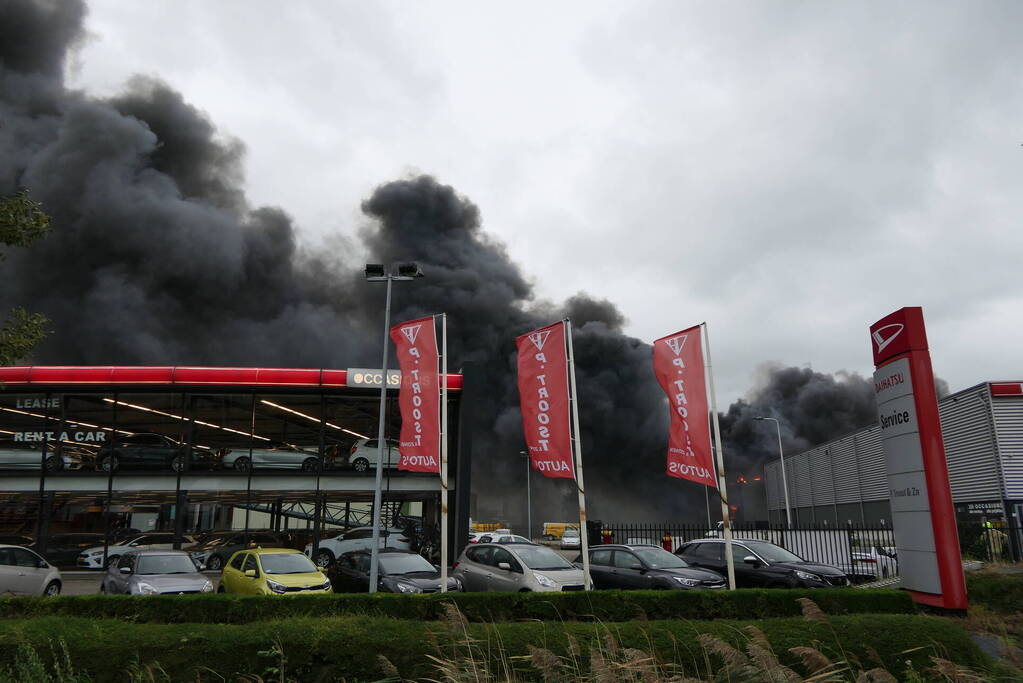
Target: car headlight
207	587
458	584
807	576
325	586
406	587
276	587
543	580
690	583
146	589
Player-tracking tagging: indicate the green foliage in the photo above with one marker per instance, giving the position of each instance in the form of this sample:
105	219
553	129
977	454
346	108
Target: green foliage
1002	593
347	648
479	607
22	221
19	335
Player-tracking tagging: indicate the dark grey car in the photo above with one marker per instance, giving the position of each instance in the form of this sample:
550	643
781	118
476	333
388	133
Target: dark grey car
647	567
155	572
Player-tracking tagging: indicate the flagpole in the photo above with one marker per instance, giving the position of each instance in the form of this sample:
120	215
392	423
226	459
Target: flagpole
583	541
726	523
444	453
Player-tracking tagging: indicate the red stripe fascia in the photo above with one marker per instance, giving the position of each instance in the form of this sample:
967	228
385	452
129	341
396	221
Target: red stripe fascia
64	375
1007	388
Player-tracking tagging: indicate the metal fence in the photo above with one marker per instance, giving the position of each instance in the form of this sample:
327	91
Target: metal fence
867	553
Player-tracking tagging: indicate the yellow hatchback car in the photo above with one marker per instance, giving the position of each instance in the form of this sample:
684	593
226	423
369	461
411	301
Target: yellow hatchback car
272	571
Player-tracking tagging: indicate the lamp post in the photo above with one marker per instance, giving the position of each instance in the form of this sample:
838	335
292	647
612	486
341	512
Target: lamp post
375	272
529	502
784	478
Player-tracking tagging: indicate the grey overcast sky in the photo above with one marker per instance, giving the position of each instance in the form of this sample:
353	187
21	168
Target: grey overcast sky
787	171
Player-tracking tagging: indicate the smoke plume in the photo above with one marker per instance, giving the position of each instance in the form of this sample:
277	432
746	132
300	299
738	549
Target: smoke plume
158	257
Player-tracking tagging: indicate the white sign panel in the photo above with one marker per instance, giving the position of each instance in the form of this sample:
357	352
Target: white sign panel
907	487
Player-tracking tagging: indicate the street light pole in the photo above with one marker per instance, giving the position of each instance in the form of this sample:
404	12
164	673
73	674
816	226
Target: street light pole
375	273
784	477
529	502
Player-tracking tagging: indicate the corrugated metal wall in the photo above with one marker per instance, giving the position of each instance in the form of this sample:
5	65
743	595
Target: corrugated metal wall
859	473
970	445
1008	413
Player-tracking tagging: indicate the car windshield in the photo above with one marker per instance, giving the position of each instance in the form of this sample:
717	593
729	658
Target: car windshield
541	557
165	564
772	553
570	534
659	558
287	563
404	564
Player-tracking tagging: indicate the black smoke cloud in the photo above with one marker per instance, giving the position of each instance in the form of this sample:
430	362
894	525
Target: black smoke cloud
157	257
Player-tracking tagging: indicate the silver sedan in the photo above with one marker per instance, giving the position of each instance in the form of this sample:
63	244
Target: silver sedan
154	572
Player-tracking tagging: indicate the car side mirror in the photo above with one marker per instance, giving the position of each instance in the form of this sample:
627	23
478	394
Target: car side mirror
125	570
504	565
749	559
251	573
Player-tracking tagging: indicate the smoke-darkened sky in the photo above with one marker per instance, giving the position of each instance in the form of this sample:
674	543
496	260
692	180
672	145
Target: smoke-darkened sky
219	172
788	171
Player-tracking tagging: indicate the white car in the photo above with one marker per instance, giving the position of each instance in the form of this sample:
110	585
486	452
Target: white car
19	456
570	539
92	558
356	539
23	572
365	454
307	460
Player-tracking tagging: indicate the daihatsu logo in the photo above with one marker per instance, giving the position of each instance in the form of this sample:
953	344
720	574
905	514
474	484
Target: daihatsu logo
883	341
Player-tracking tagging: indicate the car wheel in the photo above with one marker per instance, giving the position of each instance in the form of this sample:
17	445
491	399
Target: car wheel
112	561
310	465
243	464
360	465
52	589
214	563
324	558
54	463
177	464
109	463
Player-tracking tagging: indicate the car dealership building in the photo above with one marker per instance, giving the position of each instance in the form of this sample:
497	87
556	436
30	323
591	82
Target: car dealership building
107	449
845	480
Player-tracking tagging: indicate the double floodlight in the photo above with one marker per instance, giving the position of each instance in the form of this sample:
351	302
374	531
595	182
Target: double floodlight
376	272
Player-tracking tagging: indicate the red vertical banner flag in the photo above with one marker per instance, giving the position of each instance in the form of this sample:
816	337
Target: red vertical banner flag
543	399
678	365
419	396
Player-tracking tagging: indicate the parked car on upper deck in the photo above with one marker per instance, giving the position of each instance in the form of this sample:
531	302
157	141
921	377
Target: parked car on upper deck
142	451
282	458
365	453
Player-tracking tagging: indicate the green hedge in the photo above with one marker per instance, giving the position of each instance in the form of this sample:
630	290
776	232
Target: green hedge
580	606
1001	593
347	648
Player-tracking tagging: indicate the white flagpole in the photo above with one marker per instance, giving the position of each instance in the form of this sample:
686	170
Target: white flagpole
444	453
726	524
573	397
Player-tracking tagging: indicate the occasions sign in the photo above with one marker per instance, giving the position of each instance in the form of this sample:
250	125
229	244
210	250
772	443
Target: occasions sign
923	518
678	365
419	396
543	399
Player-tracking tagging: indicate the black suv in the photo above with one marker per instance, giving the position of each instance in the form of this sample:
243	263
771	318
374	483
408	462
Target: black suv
646	567
759	564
